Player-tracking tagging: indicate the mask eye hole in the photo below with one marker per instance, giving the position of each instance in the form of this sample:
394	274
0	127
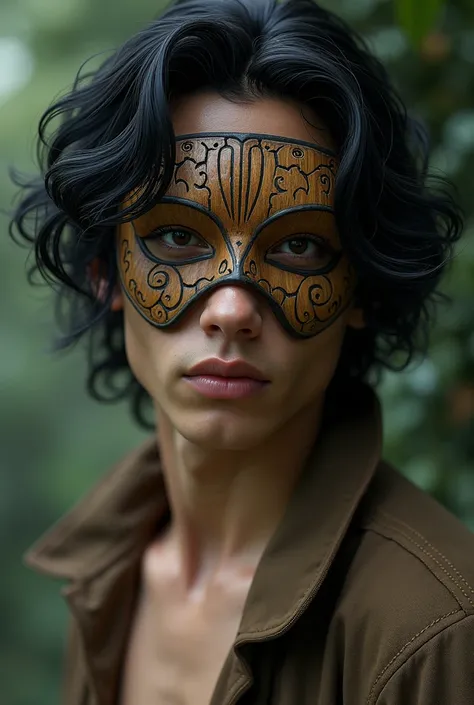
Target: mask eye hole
176	244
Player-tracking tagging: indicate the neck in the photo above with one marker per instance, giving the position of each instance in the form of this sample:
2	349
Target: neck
226	504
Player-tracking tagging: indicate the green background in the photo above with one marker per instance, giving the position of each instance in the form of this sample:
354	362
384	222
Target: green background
55	441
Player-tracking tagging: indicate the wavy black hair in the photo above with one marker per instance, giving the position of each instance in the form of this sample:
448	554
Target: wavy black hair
115	135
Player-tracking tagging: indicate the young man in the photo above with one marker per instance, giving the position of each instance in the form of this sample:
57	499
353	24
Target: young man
232	211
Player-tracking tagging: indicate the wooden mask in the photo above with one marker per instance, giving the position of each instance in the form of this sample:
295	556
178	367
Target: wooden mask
250	209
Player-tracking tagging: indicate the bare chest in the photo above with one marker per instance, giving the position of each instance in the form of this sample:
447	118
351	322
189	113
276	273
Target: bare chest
177	645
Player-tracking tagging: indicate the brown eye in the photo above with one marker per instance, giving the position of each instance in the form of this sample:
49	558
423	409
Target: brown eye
175	244
302	252
299	246
177	238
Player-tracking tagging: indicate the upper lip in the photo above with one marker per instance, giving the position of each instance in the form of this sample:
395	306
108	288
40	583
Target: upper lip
221	368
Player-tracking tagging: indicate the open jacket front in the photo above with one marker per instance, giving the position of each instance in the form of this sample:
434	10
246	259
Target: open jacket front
364	594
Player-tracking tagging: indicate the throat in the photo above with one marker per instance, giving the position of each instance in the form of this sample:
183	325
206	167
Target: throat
165	659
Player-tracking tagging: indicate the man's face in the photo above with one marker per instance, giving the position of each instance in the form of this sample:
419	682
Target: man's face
241	260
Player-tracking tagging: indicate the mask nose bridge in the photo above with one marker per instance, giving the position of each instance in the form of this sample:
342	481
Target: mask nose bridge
238	235
240	242
240	238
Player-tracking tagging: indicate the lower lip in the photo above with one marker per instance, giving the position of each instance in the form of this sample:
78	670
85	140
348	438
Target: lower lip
226	387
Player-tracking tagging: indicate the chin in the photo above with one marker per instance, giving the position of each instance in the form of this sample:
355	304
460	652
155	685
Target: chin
223	431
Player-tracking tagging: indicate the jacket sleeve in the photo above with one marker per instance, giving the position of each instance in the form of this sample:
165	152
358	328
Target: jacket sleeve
441	672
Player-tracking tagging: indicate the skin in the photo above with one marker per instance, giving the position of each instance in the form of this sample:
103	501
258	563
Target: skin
230	465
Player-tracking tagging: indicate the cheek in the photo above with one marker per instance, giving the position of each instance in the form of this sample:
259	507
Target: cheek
142	346
135	350
316	360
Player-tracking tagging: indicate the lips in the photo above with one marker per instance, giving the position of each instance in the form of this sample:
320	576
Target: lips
220	368
218	379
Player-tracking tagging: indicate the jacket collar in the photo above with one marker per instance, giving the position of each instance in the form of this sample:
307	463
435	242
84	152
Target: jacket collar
116	521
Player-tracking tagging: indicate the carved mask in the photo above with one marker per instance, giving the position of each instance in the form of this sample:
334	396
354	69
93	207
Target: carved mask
250	209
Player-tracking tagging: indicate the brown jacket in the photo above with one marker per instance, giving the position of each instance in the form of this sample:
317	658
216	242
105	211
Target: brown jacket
364	594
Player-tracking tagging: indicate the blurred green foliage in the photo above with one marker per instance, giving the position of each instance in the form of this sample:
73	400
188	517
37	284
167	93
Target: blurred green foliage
55	442
417	18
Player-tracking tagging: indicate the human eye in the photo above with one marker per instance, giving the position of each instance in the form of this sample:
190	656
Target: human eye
176	243
302	251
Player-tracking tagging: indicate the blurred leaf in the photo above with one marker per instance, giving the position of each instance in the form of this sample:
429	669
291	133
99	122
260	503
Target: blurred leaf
417	17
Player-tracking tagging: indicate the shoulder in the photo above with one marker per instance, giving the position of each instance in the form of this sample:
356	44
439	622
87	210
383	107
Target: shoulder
409	591
420	536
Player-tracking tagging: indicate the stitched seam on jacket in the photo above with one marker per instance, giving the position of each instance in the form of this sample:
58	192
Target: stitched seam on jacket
236	687
433	548
405	646
397	540
435	560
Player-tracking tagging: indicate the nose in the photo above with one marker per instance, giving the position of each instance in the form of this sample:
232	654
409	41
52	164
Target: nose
232	311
